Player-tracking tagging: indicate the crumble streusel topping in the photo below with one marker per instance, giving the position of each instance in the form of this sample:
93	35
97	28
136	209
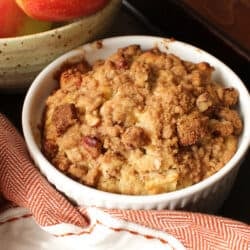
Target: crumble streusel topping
140	122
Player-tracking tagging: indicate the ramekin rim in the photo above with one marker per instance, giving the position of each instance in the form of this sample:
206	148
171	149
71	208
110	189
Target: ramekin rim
137	199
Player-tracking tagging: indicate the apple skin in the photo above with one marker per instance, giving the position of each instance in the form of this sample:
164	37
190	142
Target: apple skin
11	18
14	22
60	10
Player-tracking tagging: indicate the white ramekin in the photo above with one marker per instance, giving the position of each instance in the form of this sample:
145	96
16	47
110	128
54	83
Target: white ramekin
205	196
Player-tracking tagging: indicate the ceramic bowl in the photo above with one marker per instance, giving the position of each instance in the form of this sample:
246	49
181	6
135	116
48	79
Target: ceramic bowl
21	58
205	196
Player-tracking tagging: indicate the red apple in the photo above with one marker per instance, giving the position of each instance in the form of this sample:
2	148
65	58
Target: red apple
60	10
14	22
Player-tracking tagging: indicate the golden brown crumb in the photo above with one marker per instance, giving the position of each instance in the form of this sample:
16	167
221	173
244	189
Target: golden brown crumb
135	137
223	128
191	128
64	116
233	117
140	122
50	148
73	74
91	178
229	96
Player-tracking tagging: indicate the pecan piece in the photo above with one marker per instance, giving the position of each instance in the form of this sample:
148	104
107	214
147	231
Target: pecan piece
92	145
204	102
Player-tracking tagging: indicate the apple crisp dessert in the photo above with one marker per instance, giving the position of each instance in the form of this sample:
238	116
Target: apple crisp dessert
140	122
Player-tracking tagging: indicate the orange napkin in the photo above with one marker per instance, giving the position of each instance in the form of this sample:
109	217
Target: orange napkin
22	183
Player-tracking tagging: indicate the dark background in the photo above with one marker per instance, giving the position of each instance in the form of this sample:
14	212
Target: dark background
170	19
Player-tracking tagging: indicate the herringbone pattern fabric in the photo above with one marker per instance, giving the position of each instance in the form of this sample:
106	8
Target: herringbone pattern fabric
198	231
21	182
